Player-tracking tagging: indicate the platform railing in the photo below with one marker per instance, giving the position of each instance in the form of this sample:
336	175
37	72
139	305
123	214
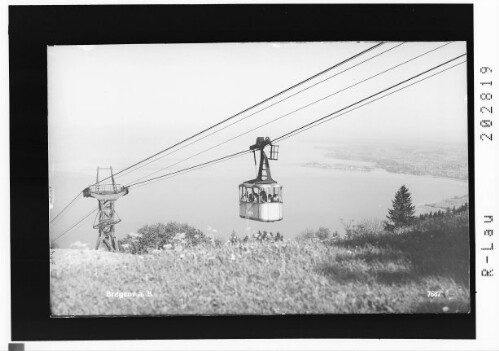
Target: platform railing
106	188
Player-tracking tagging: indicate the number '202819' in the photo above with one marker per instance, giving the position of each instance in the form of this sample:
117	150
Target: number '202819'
486	110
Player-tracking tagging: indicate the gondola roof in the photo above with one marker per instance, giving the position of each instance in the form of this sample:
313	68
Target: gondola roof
260	183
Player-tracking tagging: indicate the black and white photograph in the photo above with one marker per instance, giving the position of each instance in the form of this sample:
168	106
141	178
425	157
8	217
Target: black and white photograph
258	178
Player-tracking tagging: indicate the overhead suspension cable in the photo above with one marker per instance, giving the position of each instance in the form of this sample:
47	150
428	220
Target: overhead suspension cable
240	153
314	123
74	225
294	111
251	107
296	131
59	215
369	97
196	167
264	108
236	115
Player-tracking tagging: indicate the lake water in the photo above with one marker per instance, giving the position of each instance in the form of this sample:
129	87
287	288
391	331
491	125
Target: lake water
208	198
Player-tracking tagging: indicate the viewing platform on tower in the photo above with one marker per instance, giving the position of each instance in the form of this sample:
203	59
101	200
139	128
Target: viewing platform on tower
105	191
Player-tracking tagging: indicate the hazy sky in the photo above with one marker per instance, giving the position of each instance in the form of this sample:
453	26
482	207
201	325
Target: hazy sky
116	104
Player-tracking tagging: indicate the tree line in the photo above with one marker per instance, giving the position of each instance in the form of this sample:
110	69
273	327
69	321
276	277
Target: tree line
402	213
175	235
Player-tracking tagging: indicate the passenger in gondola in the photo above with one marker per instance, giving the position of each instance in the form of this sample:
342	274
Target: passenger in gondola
275	198
255	196
263	196
251	198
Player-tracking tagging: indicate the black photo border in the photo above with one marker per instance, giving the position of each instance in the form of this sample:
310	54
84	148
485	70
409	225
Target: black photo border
33	28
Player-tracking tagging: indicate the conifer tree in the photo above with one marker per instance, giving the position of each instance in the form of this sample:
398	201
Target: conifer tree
402	212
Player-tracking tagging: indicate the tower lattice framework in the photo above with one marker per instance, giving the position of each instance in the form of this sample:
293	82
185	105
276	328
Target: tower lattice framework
106	218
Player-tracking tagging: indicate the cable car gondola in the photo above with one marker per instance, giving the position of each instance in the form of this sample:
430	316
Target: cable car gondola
260	199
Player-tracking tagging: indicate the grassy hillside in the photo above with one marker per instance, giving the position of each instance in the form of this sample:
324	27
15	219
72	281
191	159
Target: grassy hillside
371	272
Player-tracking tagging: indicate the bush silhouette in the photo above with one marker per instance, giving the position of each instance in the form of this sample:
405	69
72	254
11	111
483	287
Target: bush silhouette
159	235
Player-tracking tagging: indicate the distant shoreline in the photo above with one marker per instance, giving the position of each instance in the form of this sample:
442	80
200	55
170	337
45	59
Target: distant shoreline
443	205
365	168
444	162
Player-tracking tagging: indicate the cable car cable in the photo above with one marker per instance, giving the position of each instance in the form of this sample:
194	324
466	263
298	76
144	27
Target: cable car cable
240	153
239	113
290	134
251	107
74	225
263	109
292	112
294	132
370	102
66	207
206	164
371	96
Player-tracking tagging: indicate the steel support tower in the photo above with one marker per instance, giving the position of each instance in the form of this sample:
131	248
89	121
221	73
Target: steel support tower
106	218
